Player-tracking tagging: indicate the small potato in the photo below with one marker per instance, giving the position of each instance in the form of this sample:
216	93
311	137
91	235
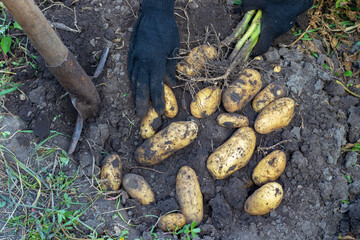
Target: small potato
171	222
266	198
189	195
270	93
136	186
242	90
234	154
205	102
111	173
232	120
164	143
269	168
196	59
171	106
150	123
276	115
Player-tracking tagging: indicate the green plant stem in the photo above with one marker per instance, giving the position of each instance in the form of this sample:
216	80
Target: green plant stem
254	24
249	45
240	28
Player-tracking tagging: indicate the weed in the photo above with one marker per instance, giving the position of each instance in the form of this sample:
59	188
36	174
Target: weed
15	55
348	178
336	24
188	231
352	147
41	200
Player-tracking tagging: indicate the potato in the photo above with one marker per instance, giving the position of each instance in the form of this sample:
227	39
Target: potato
111	173
171	222
234	154
205	102
136	186
150	123
269	168
242	90
189	195
276	115
196	59
163	144
270	93
265	199
186	69
232	120
171	106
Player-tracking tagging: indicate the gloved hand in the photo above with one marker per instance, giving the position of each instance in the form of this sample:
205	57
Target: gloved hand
154	44
279	16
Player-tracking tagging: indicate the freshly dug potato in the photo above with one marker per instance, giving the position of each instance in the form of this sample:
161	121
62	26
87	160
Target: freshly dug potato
171	106
242	90
269	168
189	195
169	140
136	186
234	154
205	102
186	69
276	115
232	120
111	173
196	59
270	93
172	221
150	123
266	198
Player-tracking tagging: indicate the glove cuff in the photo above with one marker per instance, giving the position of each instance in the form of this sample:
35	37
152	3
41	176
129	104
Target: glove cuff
163	7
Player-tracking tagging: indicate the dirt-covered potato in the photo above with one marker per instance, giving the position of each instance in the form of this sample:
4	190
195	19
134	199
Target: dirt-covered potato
270	93
232	120
269	168
274	116
150	123
172	221
196	59
265	199
206	102
136	186
171	106
234	154
242	90
164	143
185	68
111	173
189	195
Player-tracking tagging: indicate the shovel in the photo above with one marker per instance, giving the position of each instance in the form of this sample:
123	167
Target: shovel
60	61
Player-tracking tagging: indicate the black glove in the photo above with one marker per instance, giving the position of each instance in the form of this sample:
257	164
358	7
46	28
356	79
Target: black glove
279	16
154	44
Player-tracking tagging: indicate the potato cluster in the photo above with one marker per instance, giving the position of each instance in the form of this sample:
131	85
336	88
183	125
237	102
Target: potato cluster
275	111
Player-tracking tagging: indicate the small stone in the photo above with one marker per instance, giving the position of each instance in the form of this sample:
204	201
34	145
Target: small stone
354	188
351	159
272	55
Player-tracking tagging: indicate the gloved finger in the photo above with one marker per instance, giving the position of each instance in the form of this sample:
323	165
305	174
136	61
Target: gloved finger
267	35
132	42
142	99
171	62
157	86
134	77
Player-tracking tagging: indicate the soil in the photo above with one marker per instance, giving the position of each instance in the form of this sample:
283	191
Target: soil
314	184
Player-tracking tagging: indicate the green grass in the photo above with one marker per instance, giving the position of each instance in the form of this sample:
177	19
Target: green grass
14	53
40	200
